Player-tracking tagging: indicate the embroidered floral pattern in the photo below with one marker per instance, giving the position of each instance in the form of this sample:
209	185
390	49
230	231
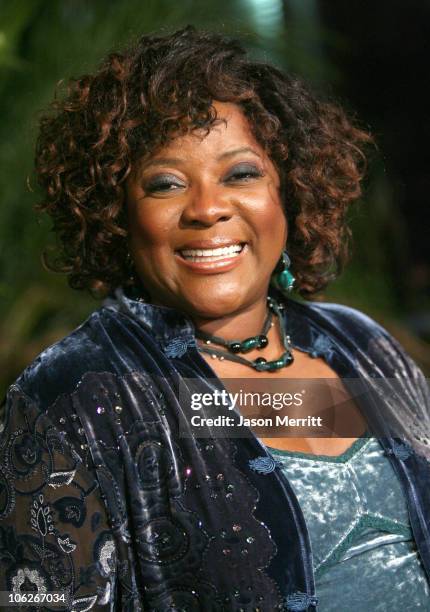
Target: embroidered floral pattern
28	577
71	510
45	494
41	518
142	519
105	556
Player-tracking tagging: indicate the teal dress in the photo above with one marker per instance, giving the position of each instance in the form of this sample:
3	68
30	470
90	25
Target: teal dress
364	553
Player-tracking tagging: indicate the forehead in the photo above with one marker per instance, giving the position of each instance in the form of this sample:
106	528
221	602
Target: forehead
231	130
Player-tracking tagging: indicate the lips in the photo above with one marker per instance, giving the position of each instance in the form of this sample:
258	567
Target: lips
212	256
213	243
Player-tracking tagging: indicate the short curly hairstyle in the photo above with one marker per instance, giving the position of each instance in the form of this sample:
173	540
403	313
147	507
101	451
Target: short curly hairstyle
162	86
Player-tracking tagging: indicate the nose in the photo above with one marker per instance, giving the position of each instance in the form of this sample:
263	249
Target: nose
206	206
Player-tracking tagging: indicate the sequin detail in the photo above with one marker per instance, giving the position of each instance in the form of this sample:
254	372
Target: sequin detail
113	359
33	576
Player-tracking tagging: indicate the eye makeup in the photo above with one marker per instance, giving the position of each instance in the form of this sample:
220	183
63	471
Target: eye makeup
244	171
162	183
240	172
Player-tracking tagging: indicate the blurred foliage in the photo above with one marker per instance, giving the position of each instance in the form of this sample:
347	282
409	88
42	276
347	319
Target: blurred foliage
44	42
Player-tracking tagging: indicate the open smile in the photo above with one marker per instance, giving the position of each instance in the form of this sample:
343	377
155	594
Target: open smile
216	259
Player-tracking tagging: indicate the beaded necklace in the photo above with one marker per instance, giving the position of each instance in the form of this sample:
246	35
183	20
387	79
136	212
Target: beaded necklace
233	347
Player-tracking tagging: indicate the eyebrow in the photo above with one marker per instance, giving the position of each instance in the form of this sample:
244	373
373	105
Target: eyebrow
237	152
162	161
165	161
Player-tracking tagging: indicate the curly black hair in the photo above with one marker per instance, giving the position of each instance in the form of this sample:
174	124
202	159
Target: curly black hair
163	86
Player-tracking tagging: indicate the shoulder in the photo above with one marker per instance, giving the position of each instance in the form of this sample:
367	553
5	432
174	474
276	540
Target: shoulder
362	335
59	368
340	317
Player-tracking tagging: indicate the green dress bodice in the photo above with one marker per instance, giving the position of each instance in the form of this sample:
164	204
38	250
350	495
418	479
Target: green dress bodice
364	553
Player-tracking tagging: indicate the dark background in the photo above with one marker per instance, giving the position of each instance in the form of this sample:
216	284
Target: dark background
371	56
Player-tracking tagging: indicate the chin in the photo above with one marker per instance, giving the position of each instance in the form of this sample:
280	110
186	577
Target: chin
206	307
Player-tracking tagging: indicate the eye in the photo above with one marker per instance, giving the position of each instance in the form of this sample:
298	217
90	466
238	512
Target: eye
163	184
243	173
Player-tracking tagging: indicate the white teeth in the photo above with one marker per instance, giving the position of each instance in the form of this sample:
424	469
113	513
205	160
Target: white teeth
201	254
206	259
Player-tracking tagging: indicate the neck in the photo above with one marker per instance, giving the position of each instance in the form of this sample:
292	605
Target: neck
242	324
245	324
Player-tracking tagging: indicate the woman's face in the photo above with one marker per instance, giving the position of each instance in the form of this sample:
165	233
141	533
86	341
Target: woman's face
206	222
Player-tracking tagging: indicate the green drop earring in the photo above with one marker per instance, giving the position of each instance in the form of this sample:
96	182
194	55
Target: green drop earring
282	278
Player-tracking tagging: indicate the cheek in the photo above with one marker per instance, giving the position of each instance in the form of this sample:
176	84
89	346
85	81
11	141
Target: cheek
270	220
152	226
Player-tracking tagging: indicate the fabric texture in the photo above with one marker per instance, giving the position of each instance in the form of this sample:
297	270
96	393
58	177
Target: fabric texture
359	528
101	497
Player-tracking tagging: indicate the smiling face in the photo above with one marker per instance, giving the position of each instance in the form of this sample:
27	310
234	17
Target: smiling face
205	218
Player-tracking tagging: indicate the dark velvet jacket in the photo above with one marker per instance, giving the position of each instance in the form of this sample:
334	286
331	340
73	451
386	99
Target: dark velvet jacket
101	499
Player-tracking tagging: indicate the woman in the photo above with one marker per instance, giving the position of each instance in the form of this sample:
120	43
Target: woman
176	176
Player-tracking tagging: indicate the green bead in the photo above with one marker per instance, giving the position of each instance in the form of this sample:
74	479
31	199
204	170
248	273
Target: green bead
248	344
